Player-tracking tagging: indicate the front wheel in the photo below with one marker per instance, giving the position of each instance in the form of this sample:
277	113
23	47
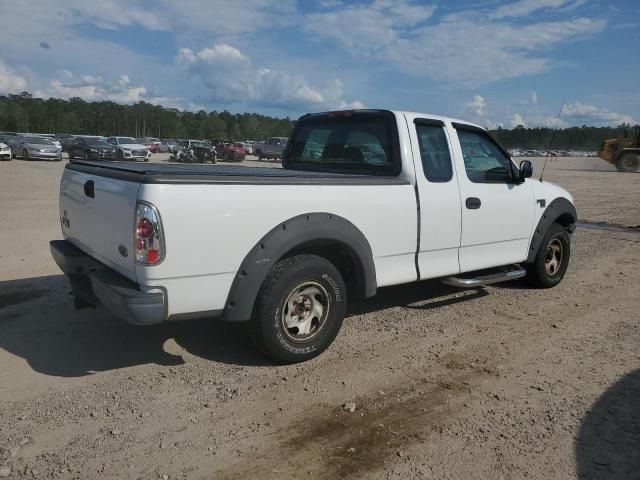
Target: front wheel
629	162
299	310
552	259
25	154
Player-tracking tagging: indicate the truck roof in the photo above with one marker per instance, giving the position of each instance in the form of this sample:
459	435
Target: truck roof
402	113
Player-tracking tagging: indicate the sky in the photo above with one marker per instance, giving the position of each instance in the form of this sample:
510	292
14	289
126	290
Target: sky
497	63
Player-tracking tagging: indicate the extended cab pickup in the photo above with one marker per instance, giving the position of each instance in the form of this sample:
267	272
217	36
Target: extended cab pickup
366	199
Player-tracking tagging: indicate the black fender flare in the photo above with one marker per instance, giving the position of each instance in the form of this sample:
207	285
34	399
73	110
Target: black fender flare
560	207
288	235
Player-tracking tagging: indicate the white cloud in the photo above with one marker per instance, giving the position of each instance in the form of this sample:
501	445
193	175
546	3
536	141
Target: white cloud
581	114
526	7
10	81
222	17
534	98
95	88
231	77
470	48
368	28
573	114
478	105
516	119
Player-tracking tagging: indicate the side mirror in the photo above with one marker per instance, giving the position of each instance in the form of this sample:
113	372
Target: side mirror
526	170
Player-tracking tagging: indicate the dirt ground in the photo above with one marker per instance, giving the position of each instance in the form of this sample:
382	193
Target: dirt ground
503	382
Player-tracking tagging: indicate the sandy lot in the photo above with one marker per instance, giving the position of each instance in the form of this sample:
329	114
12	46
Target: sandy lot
500	382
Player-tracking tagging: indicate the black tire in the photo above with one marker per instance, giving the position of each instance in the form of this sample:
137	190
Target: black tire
120	155
547	270
267	325
85	156
629	162
25	154
70	154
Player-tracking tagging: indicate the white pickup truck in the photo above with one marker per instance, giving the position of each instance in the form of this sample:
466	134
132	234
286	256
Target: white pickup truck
366	199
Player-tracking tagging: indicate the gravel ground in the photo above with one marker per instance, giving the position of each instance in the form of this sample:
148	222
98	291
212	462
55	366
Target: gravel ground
500	382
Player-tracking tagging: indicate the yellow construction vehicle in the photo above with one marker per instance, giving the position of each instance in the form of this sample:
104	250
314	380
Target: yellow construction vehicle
623	152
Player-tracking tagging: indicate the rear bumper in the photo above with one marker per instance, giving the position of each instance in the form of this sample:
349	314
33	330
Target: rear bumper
98	285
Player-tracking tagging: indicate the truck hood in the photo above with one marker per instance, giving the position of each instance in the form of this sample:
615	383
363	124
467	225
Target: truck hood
549	191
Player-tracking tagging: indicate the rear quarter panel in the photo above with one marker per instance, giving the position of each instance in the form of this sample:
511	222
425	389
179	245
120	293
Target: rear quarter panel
209	229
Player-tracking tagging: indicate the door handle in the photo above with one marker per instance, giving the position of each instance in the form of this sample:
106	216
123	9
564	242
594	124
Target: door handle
89	189
473	203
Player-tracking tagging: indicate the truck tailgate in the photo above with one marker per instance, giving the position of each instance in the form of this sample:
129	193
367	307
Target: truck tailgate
97	215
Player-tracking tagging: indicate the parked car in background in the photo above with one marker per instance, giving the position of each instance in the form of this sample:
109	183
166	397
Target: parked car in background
128	148
150	143
5	151
272	147
165	145
248	147
194	151
233	152
33	147
51	137
91	148
65	140
7	137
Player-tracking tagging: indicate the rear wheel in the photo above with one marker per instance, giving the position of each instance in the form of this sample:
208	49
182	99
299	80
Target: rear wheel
299	310
552	259
25	154
629	162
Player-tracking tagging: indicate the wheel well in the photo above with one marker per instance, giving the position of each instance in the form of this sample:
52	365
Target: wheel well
565	219
341	256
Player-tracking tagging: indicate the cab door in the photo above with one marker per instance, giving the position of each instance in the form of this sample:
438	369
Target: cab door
438	196
497	208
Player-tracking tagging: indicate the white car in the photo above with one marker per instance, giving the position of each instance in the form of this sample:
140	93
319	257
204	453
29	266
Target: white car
366	199
129	149
5	151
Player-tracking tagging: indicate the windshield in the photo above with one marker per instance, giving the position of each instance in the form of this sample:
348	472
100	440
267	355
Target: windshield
37	141
93	141
126	140
361	142
199	144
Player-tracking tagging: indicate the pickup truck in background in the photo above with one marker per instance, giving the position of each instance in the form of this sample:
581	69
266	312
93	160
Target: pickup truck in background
366	199
272	147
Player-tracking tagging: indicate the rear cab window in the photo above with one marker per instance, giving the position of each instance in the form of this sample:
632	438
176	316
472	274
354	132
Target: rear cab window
364	142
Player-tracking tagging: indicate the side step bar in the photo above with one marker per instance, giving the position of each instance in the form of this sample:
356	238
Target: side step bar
486	277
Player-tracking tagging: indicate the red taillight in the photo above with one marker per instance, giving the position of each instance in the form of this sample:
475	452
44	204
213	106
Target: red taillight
144	229
148	241
153	256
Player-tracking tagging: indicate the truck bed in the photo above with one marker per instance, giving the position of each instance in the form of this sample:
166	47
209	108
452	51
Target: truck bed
174	173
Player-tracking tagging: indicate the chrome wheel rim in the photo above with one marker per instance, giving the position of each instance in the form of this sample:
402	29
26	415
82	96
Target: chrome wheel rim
305	311
553	257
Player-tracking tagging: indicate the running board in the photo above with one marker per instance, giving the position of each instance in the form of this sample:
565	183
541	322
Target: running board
486	277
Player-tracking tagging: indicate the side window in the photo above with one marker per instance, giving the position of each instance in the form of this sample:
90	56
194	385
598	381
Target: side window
434	152
483	160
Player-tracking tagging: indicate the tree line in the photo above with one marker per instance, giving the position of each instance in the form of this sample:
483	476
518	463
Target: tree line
582	138
26	113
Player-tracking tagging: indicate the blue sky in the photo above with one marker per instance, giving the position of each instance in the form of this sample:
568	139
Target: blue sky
493	62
